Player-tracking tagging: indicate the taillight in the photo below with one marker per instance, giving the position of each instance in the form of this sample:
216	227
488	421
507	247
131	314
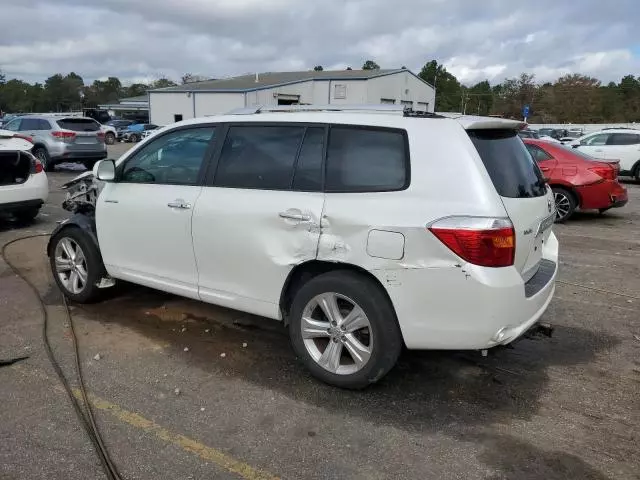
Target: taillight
604	171
487	242
101	135
63	136
23	137
36	166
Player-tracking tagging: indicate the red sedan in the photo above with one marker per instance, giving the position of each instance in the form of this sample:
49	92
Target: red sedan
578	180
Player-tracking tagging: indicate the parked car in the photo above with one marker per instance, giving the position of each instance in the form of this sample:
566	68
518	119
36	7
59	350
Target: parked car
621	143
549	132
355	229
134	133
577	179
150	131
110	134
62	139
528	133
23	184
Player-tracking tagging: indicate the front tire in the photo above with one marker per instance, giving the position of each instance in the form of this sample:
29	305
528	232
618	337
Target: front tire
134	138
344	329
565	203
76	265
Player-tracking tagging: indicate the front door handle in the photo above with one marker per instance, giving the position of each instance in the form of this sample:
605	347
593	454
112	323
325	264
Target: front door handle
179	203
295	215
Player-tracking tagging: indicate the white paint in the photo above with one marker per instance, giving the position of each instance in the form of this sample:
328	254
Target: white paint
217	103
629	155
244	249
402	86
163	107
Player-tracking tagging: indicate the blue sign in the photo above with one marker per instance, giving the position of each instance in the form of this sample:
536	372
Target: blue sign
525	111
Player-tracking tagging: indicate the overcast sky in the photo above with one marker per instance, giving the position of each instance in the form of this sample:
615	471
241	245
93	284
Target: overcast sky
476	39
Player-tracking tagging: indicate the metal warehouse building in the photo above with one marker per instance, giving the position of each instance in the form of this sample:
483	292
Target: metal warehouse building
211	97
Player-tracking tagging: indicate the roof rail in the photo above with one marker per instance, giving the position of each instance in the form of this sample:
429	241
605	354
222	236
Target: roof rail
386	108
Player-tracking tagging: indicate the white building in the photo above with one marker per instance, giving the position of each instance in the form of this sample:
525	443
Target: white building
211	97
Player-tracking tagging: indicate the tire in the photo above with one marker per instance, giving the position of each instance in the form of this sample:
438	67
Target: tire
133	138
381	337
41	154
88	164
636	172
27	215
602	210
109	138
91	265
565	203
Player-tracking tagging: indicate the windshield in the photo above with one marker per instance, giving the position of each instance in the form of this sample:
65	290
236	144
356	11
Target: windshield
509	163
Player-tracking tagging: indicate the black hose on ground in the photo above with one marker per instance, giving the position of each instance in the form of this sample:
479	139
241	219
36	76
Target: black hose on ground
86	419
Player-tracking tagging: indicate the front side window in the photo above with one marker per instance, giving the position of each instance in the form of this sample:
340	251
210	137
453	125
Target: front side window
308	174
175	158
366	160
30	124
260	157
596	140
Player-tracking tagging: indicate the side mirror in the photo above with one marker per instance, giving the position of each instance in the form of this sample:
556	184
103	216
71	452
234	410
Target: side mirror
105	170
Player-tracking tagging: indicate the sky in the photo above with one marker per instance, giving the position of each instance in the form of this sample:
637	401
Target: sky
142	40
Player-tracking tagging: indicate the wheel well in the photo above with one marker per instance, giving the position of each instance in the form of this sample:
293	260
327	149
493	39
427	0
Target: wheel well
635	170
39	145
571	190
306	271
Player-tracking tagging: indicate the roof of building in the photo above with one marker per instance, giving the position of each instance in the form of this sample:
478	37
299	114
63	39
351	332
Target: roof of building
141	98
245	83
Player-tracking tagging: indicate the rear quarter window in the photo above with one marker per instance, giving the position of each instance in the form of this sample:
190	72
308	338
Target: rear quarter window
79	124
509	164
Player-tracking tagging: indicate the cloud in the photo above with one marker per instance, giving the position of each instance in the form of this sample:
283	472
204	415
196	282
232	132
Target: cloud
490	40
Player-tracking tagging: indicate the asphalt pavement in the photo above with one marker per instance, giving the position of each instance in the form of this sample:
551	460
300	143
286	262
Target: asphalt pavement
185	390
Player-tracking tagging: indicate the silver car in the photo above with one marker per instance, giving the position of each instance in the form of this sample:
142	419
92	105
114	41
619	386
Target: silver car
58	139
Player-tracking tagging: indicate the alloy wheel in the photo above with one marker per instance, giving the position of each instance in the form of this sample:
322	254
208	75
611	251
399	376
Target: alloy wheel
71	265
337	333
41	155
563	204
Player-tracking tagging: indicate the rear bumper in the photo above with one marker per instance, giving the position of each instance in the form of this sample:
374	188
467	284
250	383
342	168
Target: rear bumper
17	206
607	194
33	192
90	155
469	307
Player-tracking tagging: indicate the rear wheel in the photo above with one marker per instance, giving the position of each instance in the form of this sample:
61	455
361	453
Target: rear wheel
76	265
109	138
565	203
343	328
636	172
41	154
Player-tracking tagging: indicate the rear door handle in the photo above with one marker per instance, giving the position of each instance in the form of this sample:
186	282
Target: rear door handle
295	215
179	203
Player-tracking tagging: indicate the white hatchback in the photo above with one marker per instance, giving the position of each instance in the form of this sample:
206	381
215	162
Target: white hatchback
614	144
23	183
363	230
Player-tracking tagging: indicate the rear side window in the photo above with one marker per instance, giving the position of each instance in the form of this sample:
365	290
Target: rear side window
366	160
79	124
509	163
260	157
308	175
623	139
538	154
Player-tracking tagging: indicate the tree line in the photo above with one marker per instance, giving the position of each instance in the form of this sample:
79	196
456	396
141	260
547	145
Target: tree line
573	98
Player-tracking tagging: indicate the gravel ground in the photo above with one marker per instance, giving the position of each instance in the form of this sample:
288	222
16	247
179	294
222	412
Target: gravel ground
558	408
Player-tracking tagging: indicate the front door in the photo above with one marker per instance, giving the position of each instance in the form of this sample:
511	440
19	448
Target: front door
260	216
595	145
144	217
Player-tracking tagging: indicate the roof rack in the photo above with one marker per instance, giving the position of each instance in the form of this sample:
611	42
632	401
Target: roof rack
382	108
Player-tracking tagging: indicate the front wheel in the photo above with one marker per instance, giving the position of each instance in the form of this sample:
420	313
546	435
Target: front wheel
565	204
344	329
134	138
76	265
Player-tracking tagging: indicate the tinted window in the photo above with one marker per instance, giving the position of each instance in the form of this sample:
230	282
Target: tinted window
596	140
44	125
509	164
623	139
366	160
29	124
259	157
308	175
175	158
538	154
79	124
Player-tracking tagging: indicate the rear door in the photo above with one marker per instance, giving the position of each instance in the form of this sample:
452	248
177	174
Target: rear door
624	147
88	134
520	184
544	159
259	215
595	145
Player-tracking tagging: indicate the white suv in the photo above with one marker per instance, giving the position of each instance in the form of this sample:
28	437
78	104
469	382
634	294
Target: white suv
362	230
614	144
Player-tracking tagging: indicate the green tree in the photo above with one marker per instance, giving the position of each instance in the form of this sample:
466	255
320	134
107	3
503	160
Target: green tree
370	65
480	98
162	82
135	90
448	88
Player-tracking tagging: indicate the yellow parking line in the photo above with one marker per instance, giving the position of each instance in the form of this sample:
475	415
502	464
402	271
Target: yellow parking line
206	453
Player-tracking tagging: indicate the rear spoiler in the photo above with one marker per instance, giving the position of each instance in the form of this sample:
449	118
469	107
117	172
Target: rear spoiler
472	122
